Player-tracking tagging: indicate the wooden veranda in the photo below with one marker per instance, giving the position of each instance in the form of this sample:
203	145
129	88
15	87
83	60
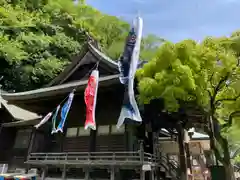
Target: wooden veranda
87	160
112	161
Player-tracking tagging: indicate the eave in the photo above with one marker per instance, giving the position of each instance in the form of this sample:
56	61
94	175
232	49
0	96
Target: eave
21	123
196	135
58	89
18	113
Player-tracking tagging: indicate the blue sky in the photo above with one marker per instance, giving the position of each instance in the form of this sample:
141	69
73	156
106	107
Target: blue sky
176	20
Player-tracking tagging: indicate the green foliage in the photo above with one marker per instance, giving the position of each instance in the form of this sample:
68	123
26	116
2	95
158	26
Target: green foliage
207	74
149	47
189	71
38	38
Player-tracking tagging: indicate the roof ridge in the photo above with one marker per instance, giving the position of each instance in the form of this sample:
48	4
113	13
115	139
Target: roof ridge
102	55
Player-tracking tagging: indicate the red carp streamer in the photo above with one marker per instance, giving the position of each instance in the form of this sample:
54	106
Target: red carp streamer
90	97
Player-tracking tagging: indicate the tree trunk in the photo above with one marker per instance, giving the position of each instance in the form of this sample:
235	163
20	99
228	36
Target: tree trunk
183	164
226	159
215	136
212	140
187	150
229	171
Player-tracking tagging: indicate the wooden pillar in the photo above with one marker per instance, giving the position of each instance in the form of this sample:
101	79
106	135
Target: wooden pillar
117	174
87	174
44	173
30	146
155	144
64	172
126	136
158	169
62	136
142	175
189	157
32	140
141	151
92	143
182	152
187	139
152	174
112	173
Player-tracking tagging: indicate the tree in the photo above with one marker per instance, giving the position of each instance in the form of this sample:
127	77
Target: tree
38	38
206	74
149	47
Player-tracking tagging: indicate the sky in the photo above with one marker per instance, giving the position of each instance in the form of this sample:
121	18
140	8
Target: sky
176	20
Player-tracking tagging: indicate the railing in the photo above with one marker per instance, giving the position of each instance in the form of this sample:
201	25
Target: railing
170	167
92	158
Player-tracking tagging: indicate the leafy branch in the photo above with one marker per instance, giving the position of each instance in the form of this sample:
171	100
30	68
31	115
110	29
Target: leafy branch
227	99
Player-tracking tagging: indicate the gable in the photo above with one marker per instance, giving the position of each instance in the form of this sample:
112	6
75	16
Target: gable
83	64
